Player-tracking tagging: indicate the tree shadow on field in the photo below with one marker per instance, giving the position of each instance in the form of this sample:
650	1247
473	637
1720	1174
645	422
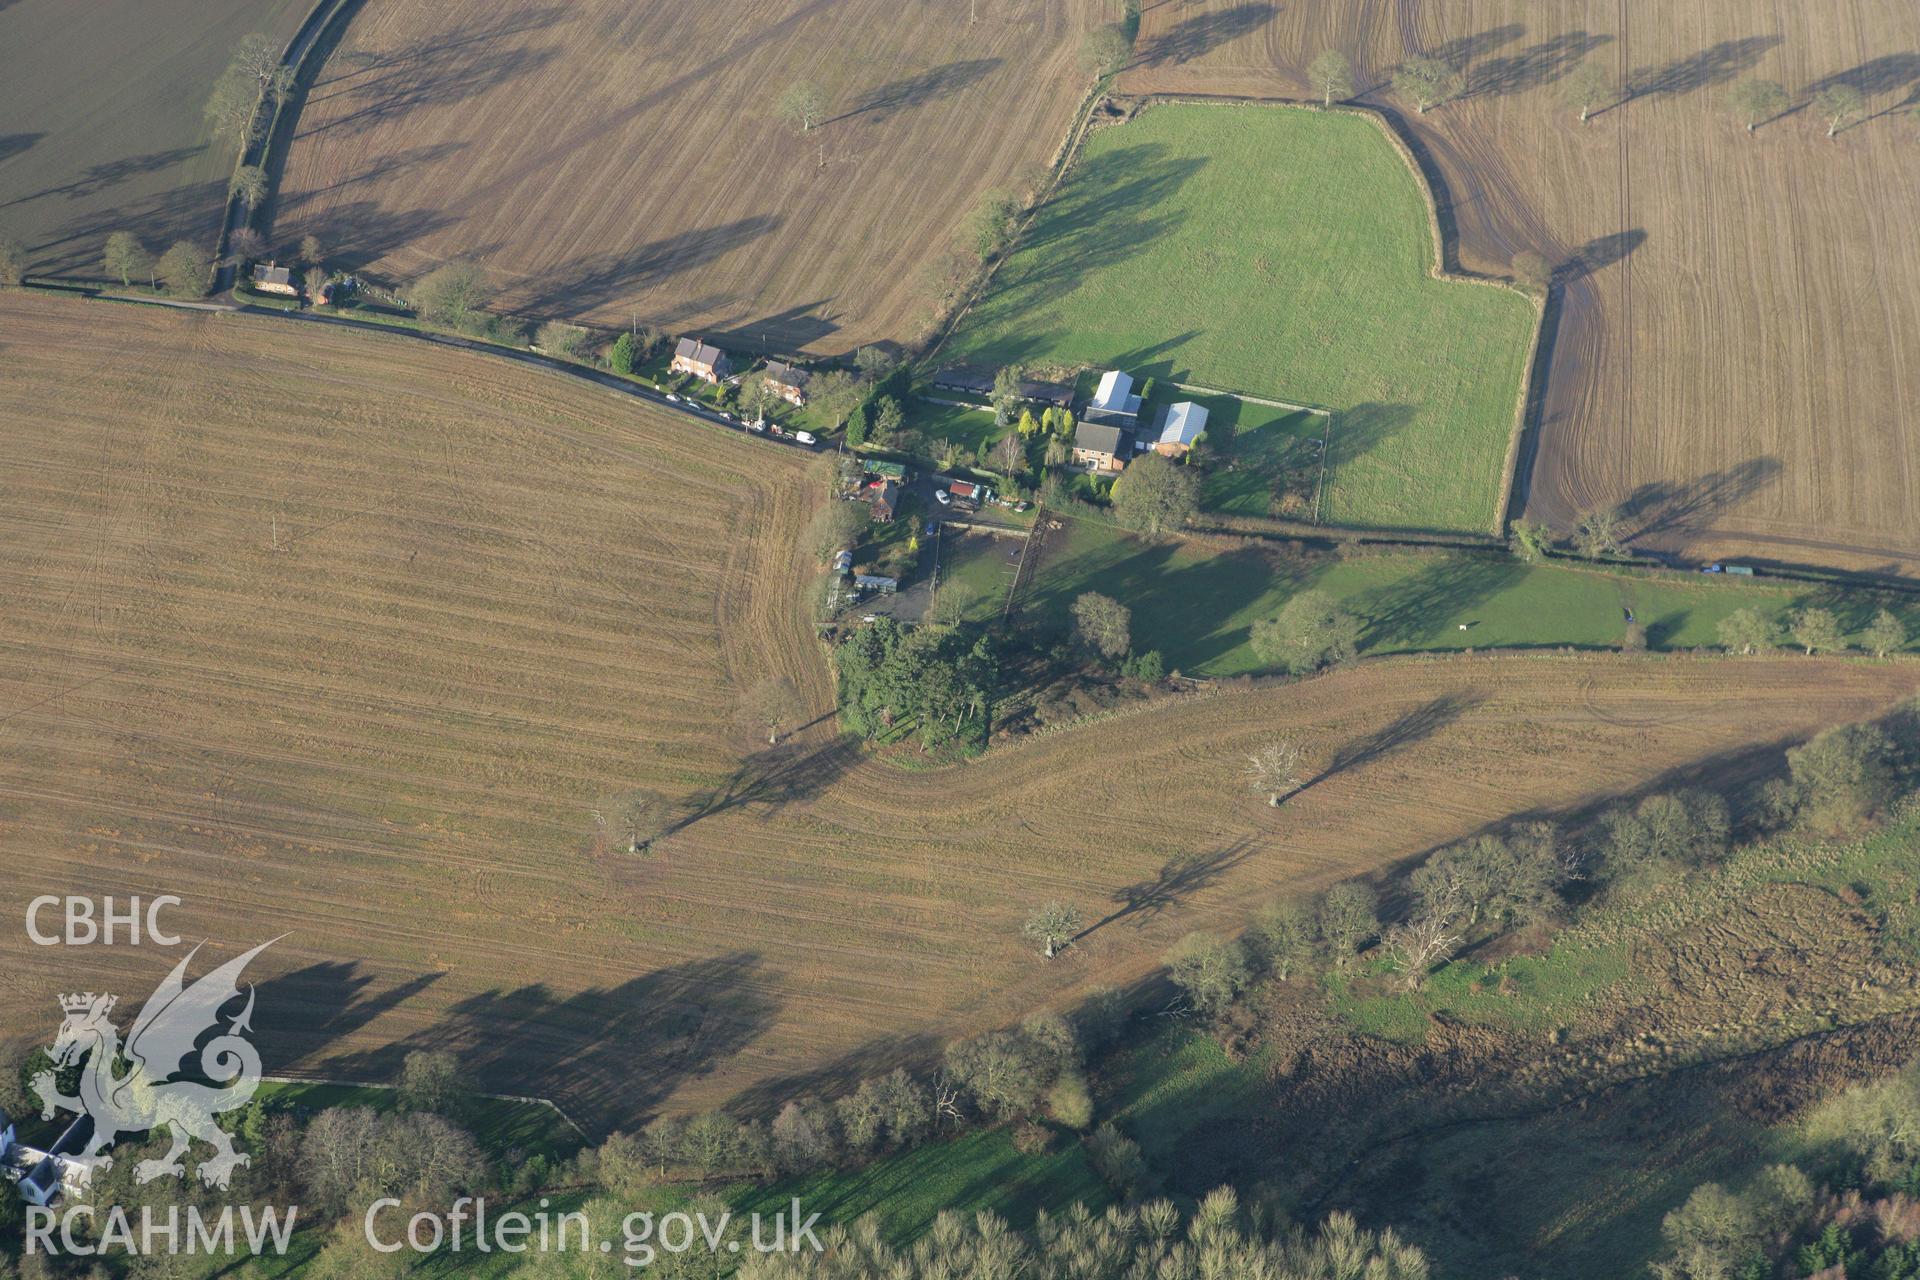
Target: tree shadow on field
1540	64
12	144
1197	36
1413	727
1178	881
798	328
595	280
1685	507
363	231
1707	69
1446	592
1884	74
467	61
1464	51
1358	430
1108	211
184	212
770	780
877	1057
301	1012
609	1054
919	89
99	177
1597	255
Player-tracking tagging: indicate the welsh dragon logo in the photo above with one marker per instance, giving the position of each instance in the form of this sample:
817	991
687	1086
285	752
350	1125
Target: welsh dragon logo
142	1095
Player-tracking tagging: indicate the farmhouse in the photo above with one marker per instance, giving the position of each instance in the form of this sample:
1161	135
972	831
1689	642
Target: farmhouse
708	363
1114	398
1181	426
787	382
885	500
43	1175
1099	447
268	278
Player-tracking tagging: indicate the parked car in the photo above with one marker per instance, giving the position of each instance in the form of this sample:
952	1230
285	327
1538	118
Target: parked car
942	497
805	437
674	398
756	425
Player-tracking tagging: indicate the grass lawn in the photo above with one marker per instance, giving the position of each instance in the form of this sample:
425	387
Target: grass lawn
1283	253
498	1125
974	1173
983	564
1196	604
967	427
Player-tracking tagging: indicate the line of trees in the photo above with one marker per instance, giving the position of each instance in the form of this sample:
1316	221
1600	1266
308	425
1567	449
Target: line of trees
1031	1078
1588	88
1221	1238
1531	873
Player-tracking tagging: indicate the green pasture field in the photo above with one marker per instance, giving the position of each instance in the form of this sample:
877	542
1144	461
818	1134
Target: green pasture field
1196	602
1281	253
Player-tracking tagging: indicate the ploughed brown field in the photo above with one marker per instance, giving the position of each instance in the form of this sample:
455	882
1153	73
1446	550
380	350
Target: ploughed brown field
346	637
611	159
1734	359
100	122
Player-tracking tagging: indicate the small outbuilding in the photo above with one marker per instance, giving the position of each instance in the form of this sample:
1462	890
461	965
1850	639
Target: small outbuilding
885	501
701	360
1182	425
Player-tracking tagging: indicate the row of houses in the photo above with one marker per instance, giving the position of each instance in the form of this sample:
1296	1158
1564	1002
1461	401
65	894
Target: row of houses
699	359
1110	433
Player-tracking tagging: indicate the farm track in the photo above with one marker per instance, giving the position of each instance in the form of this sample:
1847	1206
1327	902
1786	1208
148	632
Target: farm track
1732	364
502	598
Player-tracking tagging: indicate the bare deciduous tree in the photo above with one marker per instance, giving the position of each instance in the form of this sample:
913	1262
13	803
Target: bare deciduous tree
1531	270
244	245
1103	624
1277	769
1426	82
311	254
802	106
1053	926
1599	534
125	256
771	704
249	184
1332	75
1884	634
1418	945
1587	88
1839	105
1757	101
642	817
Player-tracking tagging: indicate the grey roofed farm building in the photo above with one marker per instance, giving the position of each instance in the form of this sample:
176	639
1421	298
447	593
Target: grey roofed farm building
979	382
1180	427
1114	398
